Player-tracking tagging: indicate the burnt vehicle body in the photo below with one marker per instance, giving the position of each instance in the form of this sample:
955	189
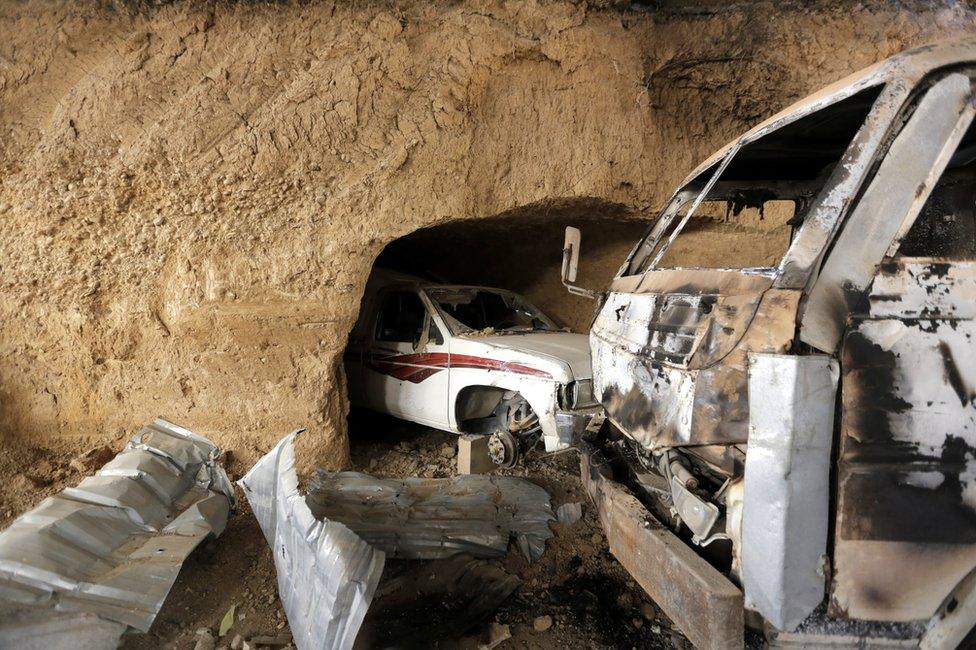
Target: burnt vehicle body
789	356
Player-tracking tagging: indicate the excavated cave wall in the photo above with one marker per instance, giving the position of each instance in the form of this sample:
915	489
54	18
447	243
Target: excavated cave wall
191	199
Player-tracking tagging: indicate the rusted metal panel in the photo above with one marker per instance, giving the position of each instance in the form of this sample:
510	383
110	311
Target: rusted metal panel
906	68
702	602
953	625
906	508
887	208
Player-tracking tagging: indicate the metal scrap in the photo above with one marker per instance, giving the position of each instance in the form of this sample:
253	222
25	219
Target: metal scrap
327	574
97	559
421	518
787	485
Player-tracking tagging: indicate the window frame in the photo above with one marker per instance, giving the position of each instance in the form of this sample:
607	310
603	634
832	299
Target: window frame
384	297
885	91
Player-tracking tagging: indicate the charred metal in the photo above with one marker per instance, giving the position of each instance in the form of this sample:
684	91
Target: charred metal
850	279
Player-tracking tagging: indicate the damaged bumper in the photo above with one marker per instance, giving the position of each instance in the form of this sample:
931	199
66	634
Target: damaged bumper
702	602
570	425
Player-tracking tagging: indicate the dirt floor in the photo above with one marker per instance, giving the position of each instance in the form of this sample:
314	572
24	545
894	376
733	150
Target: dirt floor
592	601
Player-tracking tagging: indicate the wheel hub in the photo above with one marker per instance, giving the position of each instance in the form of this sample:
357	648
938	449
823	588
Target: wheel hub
503	449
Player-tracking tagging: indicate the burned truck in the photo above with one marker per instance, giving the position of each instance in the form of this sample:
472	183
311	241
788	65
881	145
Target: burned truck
787	358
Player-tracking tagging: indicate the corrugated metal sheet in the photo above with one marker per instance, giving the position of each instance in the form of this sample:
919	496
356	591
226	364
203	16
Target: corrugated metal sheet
100	557
420	518
327	574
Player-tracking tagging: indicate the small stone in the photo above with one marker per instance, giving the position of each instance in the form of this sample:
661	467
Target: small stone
638	623
205	641
597	538
542	623
448	451
647	611
656	629
273	641
237	642
625	600
497	633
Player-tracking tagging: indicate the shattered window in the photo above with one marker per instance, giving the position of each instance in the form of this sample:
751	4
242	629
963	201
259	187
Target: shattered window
470	309
946	226
401	318
751	212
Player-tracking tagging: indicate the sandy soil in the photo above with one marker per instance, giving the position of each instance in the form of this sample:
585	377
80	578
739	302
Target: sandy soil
192	197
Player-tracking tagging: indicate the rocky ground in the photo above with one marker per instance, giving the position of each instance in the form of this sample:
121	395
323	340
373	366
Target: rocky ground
576	596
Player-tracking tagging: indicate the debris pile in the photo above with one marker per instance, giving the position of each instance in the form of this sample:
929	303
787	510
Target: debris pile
330	547
89	563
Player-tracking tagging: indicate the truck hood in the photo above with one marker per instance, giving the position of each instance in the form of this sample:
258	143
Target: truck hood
564	349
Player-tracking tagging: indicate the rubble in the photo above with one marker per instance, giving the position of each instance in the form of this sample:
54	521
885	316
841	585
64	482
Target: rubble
97	559
93	459
569	513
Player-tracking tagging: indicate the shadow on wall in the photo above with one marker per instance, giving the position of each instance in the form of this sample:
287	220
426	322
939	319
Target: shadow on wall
521	250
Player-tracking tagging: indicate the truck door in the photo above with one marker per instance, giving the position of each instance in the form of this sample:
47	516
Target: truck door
906	475
405	369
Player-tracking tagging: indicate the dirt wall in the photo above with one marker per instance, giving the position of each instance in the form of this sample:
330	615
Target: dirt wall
191	199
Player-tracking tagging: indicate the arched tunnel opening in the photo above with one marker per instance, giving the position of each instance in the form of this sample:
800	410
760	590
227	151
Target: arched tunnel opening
519	251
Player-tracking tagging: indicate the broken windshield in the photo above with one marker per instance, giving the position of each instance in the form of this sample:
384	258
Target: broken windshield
473	309
749	215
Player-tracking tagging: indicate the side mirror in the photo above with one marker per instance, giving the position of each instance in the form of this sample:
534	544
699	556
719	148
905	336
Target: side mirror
570	255
571	249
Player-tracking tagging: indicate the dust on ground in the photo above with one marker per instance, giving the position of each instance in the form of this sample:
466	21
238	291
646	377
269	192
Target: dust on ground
592	601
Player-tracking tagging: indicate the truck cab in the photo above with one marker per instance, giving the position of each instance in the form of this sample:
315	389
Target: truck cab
788	358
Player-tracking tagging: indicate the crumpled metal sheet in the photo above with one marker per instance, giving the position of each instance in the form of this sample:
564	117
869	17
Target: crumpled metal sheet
431	518
327	575
96	559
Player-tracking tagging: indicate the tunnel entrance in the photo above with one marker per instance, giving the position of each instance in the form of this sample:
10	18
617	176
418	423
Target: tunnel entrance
520	252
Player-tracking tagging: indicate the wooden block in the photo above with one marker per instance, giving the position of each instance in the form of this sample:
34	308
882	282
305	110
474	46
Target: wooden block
473	455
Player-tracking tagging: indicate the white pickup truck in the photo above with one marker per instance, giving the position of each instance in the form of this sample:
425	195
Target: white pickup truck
469	360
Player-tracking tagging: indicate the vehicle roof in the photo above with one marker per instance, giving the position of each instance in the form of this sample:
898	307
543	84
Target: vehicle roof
910	65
